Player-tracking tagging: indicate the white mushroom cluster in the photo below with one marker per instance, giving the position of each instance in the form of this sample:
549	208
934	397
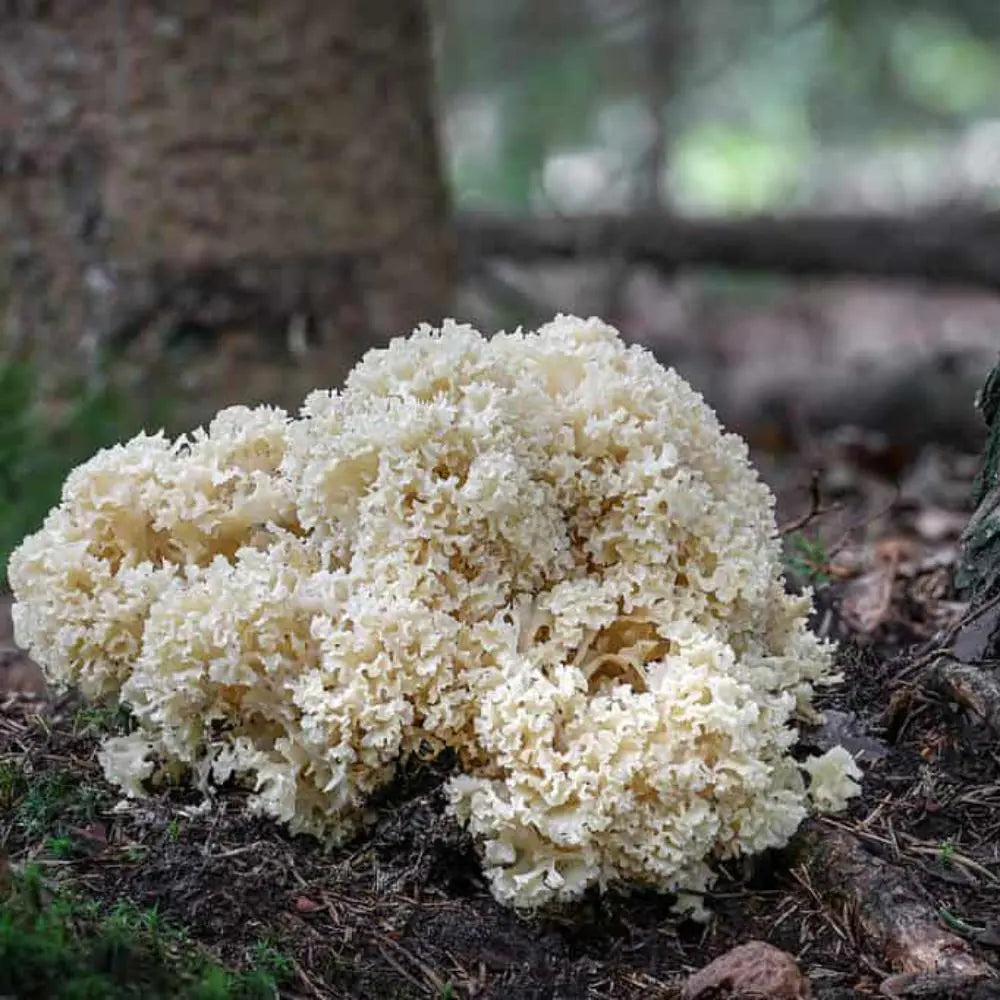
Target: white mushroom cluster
538	549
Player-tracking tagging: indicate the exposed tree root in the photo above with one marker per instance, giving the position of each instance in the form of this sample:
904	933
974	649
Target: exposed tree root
889	914
974	687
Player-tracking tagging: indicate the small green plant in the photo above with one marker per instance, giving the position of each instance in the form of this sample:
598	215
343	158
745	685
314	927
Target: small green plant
946	852
127	919
46	798
46	804
808	557
60	847
173	830
136	853
267	959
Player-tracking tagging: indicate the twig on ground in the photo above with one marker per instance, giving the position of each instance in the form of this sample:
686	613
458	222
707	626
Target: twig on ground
816	508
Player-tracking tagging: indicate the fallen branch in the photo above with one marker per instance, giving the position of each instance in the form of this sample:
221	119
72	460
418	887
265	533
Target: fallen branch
959	247
888	912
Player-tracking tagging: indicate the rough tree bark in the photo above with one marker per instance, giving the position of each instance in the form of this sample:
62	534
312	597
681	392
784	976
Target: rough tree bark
968	670
254	185
889	914
980	569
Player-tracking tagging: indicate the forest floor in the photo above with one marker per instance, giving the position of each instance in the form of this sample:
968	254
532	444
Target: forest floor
403	912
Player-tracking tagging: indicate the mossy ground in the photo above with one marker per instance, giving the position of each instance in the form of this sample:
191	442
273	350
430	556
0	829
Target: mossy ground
58	938
55	944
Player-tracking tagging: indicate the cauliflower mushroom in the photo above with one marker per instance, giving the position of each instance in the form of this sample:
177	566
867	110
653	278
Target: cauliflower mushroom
539	549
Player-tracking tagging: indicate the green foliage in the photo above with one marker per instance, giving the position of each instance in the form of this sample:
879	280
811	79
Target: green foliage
735	169
56	946
39	446
944	67
752	95
60	847
807	557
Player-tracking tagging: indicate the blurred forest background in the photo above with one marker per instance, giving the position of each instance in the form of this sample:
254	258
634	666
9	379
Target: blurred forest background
795	202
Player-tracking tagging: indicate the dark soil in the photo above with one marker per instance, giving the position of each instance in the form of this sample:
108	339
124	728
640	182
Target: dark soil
404	913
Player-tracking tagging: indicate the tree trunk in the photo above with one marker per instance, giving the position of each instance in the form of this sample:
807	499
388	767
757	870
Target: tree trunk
236	197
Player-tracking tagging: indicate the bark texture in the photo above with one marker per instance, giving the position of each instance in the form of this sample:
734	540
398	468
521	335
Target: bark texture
241	194
976	687
979	572
889	913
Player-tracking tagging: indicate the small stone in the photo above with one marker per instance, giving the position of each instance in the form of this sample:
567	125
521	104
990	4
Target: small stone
750	971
